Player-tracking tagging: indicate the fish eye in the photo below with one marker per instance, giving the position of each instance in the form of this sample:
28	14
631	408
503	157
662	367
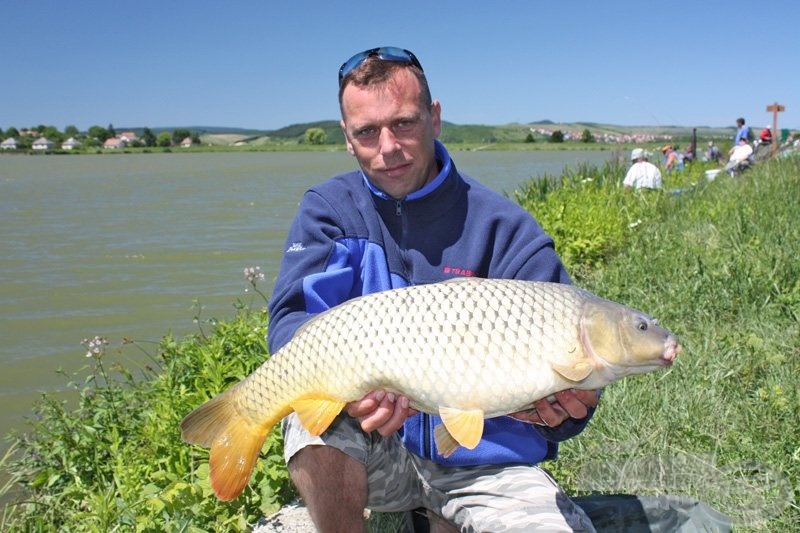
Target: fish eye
642	325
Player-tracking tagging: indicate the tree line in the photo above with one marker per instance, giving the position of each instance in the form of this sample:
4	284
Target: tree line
95	136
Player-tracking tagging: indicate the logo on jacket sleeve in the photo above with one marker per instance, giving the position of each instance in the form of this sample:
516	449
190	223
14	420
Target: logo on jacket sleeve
295	247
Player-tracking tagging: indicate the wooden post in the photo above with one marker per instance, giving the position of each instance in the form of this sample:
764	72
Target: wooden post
775	109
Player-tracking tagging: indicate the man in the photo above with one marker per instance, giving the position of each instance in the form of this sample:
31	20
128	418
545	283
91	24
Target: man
672	159
766	135
642	174
740	157
714	153
409	217
742	131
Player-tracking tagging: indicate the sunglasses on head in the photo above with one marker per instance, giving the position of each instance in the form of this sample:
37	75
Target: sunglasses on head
384	53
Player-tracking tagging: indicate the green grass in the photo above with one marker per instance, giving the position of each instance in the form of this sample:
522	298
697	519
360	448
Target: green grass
718	264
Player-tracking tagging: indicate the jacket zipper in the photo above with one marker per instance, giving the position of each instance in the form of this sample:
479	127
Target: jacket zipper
426	419
426	436
398	211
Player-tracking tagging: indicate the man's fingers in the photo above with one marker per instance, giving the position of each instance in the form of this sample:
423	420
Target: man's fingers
531	416
365	405
397	418
571	404
552	414
380	415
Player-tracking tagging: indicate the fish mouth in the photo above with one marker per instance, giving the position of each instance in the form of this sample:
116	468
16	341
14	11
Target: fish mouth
671	350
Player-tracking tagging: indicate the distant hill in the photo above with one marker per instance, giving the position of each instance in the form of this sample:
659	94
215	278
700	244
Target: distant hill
540	130
138	130
296	131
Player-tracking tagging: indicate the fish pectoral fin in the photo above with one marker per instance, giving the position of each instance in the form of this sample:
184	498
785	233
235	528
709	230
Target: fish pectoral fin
317	414
463	426
577	371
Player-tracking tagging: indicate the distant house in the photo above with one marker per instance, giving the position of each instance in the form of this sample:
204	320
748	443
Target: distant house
115	143
9	144
70	143
187	142
128	136
43	143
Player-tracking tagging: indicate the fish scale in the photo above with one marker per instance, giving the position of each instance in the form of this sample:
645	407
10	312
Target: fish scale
465	349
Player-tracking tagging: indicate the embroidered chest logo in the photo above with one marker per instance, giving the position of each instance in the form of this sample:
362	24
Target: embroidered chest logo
295	247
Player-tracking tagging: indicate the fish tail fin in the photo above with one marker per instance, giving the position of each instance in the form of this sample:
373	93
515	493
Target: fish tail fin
235	442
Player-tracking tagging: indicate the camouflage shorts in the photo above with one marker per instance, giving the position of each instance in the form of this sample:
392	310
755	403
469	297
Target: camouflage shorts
478	498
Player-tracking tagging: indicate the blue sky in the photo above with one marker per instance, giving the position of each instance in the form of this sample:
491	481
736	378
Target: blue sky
266	65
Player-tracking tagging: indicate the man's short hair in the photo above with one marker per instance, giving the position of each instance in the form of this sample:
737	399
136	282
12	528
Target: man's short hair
374	71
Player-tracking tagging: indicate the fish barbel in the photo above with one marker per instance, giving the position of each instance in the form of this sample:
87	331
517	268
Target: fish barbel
465	349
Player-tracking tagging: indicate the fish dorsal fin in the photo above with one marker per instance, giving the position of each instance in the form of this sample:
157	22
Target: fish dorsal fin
464	426
577	371
316	414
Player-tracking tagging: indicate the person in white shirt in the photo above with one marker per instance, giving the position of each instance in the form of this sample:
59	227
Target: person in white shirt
642	174
740	156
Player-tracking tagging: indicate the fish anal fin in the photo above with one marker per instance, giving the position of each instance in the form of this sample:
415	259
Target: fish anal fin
464	426
445	443
575	372
316	414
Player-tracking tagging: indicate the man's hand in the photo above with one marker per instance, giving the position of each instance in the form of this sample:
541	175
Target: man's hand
570	403
381	411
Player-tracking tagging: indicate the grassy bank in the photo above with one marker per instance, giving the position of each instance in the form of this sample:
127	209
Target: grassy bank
719	266
716	262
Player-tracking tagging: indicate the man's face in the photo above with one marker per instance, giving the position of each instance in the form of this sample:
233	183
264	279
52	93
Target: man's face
391	133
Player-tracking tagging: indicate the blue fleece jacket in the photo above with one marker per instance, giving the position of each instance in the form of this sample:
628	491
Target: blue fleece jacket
349	239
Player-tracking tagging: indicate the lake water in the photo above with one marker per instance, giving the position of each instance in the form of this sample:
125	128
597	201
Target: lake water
124	245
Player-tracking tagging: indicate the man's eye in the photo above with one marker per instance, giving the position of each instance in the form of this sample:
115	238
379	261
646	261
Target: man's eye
404	125
365	132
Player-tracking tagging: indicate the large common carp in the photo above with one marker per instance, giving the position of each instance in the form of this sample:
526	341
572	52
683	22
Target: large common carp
465	349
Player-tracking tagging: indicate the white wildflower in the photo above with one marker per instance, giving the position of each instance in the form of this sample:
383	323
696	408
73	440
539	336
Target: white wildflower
253	275
95	347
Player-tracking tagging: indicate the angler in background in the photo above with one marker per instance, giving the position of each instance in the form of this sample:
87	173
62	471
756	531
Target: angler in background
642	174
672	159
713	153
740	157
407	217
742	131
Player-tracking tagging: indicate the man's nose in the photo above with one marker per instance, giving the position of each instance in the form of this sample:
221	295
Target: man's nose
388	141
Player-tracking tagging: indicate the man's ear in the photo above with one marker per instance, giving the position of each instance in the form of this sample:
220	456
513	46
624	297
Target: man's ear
346	140
436	115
